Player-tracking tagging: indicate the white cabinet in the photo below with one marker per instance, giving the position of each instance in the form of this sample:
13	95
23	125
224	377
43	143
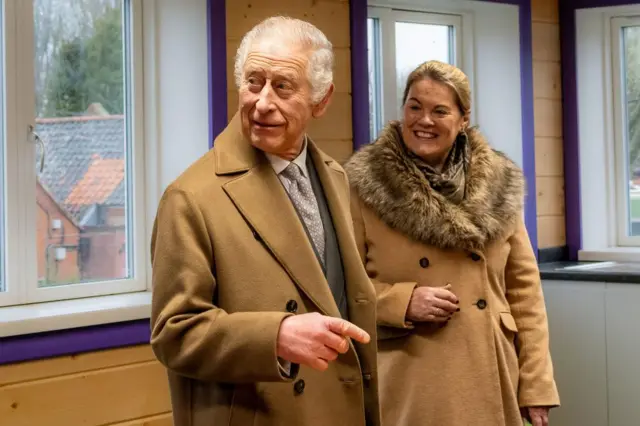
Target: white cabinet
595	345
623	353
578	347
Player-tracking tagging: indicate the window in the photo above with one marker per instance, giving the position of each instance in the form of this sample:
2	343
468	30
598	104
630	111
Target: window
626	74
399	41
3	203
608	139
74	138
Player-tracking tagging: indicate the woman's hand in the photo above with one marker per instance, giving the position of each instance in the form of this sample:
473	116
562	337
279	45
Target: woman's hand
432	304
538	416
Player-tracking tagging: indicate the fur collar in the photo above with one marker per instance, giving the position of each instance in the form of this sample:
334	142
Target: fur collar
389	184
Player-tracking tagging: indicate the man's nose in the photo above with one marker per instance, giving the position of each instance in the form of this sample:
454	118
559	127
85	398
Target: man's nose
265	100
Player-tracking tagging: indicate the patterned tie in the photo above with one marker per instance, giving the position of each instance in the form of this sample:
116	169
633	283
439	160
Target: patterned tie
303	198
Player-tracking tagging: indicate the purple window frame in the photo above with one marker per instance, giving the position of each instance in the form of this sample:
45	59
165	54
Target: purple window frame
108	336
571	145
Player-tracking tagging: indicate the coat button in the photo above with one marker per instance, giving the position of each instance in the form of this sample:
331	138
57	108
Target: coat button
366	378
292	306
424	262
481	304
475	257
298	387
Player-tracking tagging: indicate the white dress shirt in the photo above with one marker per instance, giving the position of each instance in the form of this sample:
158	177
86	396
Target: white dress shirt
279	163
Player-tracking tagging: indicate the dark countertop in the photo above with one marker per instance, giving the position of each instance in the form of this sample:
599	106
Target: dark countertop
611	272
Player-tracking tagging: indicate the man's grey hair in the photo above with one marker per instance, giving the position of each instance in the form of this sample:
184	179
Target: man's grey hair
292	31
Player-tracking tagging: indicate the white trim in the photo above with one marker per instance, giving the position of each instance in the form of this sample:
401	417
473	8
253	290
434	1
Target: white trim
138	165
10	135
620	126
603	167
66	314
387	38
152	126
612	254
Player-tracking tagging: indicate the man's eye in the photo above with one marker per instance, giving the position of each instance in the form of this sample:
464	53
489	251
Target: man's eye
283	86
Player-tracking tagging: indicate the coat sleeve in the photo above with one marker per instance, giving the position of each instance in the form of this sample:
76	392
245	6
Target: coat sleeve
190	335
524	294
392	299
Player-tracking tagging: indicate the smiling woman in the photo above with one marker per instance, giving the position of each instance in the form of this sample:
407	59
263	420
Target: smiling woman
438	220
436	107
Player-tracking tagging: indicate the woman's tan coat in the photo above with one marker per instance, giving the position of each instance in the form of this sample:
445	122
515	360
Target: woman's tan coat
493	356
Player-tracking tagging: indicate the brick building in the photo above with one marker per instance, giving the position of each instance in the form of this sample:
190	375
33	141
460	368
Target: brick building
81	197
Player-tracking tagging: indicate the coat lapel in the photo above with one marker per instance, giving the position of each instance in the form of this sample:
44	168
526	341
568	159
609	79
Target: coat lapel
262	201
333	179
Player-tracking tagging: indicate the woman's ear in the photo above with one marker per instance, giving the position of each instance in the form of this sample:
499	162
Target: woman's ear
465	123
320	108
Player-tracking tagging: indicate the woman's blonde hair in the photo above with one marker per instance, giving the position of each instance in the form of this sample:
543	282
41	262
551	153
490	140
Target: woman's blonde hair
447	74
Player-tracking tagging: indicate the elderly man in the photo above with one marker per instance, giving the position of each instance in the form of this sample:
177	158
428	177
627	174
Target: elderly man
262	311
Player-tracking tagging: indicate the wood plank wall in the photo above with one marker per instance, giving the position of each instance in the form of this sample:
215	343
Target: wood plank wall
333	132
120	387
548	123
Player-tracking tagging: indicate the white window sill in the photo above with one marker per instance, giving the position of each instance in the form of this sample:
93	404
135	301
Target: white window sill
610	254
66	314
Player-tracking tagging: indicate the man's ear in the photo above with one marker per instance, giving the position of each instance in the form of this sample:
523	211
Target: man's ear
320	108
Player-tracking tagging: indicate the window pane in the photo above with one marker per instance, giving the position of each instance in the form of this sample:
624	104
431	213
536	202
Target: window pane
631	40
373	54
83	192
3	212
418	43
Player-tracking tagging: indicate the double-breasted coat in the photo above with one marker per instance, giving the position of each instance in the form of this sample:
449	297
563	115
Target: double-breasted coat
492	358
231	260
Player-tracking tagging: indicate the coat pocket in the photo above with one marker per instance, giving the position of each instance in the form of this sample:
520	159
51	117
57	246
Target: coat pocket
509	328
388	333
508	321
243	406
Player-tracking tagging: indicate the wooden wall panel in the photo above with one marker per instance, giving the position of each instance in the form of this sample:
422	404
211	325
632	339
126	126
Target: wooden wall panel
550	197
547	90
116	387
551	231
333	132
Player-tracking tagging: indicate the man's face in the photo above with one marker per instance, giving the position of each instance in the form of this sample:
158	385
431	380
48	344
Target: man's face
275	98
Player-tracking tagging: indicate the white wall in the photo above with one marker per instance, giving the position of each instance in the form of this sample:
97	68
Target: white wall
178	90
176	98
595	345
491	58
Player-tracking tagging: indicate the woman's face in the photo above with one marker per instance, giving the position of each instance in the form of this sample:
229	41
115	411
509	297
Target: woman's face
432	121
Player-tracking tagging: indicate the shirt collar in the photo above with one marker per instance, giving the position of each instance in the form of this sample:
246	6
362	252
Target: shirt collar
279	163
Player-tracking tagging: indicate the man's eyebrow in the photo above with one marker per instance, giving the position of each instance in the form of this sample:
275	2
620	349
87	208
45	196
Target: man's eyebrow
253	69
288	75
